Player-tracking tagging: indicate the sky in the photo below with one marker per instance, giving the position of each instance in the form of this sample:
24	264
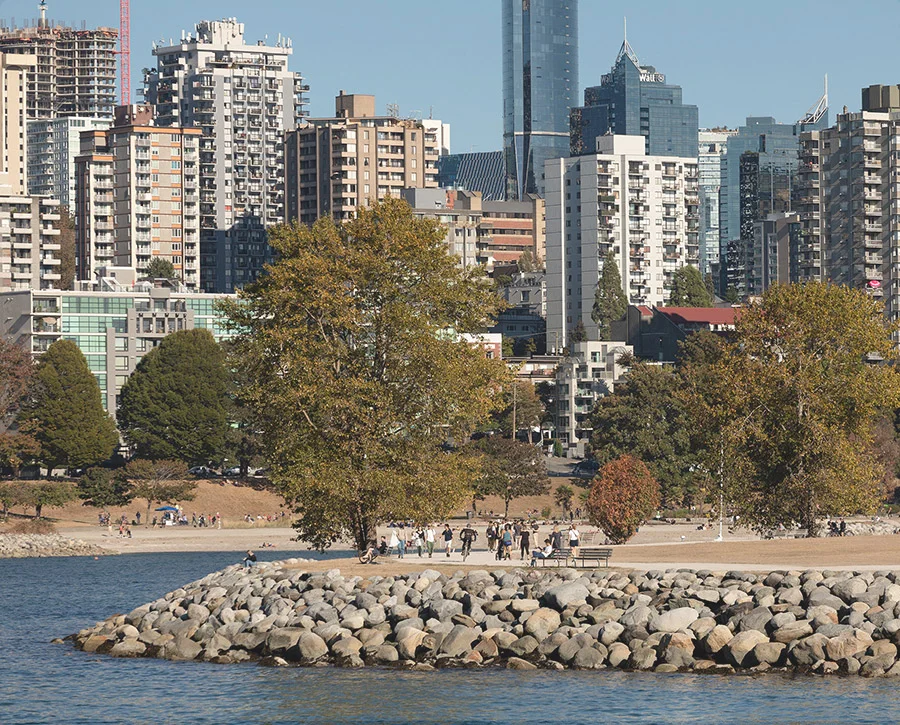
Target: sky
733	59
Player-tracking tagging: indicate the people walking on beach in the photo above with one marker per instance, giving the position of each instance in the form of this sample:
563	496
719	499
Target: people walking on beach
524	542
574	537
504	550
394	544
429	540
448	539
556	538
250	559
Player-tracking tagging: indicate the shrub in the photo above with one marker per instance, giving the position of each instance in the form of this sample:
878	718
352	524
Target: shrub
32	526
623	495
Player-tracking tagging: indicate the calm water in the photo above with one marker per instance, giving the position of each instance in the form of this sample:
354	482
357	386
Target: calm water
43	683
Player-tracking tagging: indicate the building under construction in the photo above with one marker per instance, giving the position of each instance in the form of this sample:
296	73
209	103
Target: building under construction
76	69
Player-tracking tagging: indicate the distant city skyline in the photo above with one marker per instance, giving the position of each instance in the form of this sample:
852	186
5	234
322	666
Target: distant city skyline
732	60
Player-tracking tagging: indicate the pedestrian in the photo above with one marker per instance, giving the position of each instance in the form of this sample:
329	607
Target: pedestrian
448	539
524	542
429	540
418	541
394	544
137	517
556	538
505	550
401	543
574	537
491	536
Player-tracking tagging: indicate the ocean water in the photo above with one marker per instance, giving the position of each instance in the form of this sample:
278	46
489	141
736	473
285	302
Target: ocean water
43	683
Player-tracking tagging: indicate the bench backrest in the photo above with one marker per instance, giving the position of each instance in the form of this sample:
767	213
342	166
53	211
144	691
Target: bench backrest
594	552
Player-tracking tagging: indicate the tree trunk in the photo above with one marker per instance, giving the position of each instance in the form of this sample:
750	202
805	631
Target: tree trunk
38	507
365	531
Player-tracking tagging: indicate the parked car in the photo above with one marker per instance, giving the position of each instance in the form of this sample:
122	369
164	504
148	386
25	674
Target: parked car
233	471
202	472
585	469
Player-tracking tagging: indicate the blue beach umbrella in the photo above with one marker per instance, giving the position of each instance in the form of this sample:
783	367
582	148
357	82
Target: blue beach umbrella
166	508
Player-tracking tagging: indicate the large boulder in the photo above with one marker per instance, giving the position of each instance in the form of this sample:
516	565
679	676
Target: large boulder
674	620
719	636
311	647
847	644
562	596
542	623
458	641
741	645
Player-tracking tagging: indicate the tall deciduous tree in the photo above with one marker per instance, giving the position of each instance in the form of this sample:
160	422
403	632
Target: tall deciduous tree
645	418
801	398
529	409
623	496
689	289
357	371
16	370
509	469
175	404
64	411
610	303
159	482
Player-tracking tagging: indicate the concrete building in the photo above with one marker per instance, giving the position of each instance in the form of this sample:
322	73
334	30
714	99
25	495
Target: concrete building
244	98
643	208
635	100
114	321
75	70
590	372
30	251
137	196
809	260
335	165
713	146
483	232
14	73
540	85
53	145
482	171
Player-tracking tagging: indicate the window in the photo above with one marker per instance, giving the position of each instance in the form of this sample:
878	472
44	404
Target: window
121	362
176	165
121	344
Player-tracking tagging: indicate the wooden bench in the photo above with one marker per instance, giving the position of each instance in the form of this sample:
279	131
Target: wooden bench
589	553
558	555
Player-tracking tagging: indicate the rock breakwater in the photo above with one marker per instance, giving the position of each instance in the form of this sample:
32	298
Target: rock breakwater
719	622
22	546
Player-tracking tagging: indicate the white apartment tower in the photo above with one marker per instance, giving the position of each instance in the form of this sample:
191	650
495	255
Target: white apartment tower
53	145
644	208
244	99
713	147
137	197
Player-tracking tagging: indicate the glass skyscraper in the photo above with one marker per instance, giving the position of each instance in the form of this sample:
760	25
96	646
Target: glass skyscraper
635	100
540	86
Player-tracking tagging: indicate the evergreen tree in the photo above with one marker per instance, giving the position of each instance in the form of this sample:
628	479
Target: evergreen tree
610	303
579	333
160	268
175	404
689	289
64	411
103	487
528	262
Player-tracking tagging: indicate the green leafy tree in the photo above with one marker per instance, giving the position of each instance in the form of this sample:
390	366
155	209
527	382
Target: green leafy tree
529	409
16	371
509	469
732	296
356	371
66	241
710	285
689	289
12	494
623	496
563	497
175	404
159	482
528	262
610	302
51	494
645	418
804	401
103	487
64	411
160	268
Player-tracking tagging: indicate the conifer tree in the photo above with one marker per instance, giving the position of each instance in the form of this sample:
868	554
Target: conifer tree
175	404
64	411
689	289
610	303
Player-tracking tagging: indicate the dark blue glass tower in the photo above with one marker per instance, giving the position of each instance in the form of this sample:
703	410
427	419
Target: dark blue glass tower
540	86
635	100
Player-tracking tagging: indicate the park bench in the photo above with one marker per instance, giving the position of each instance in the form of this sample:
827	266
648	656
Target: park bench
589	553
558	555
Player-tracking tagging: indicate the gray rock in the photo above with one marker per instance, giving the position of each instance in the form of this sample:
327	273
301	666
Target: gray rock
740	646
847	644
458	641
542	623
588	658
311	647
129	647
524	646
808	651
516	663
560	597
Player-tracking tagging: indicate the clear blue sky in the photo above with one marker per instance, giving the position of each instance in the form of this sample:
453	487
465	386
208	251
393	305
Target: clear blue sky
733	59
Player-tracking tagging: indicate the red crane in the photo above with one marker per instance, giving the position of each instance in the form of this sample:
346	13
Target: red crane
125	51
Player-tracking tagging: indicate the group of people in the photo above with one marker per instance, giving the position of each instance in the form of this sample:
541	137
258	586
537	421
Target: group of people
264	518
505	538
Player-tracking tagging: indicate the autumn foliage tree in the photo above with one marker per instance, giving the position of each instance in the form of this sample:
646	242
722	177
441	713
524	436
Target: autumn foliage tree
623	496
356	370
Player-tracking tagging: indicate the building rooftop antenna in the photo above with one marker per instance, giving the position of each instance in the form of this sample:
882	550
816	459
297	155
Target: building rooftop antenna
626	49
818	110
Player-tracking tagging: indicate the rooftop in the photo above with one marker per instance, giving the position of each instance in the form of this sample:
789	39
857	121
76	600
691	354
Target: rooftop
699	315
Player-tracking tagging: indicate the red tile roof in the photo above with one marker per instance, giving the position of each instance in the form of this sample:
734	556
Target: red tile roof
699	315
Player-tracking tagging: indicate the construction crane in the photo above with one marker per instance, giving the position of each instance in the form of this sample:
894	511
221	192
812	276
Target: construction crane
125	51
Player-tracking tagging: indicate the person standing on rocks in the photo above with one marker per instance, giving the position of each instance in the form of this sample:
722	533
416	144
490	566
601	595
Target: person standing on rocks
448	539
429	540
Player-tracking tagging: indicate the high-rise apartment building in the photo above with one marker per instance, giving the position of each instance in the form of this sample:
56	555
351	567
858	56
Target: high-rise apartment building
540	85
643	208
14	73
244	98
809	262
30	256
335	165
53	145
75	70
481	171
137	196
635	100
713	145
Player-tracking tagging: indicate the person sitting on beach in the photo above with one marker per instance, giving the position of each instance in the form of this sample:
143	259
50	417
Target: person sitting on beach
371	552
383	547
250	559
544	553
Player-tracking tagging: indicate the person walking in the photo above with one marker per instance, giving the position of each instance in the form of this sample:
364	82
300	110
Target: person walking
429	540
491	536
401	543
505	550
524	542
448	539
394	544
418	541
574	538
556	538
